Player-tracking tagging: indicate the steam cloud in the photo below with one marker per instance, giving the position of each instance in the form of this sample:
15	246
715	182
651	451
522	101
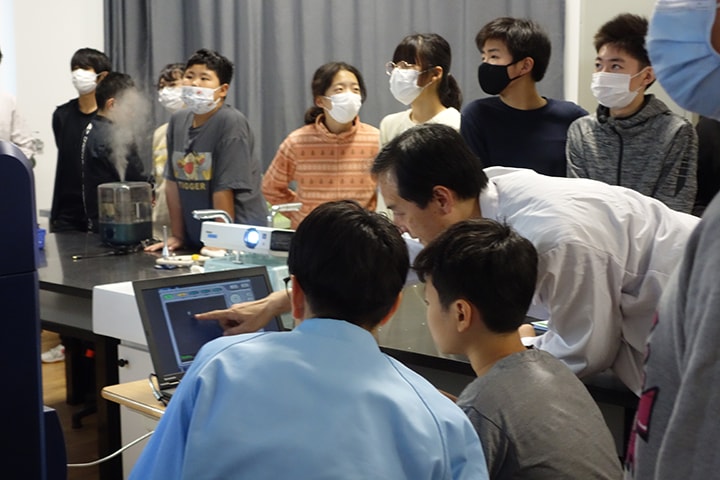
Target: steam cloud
133	129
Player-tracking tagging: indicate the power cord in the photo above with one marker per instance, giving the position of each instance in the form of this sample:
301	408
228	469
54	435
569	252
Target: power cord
112	455
152	379
159	396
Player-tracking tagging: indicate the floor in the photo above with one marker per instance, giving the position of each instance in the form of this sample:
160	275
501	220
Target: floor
81	443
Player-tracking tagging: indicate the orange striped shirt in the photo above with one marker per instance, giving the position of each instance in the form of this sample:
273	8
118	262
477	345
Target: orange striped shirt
325	166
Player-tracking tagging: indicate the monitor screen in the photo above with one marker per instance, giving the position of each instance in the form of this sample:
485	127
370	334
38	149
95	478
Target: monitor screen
168	307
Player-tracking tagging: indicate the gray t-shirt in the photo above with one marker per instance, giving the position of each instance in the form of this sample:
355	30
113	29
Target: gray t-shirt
536	420
219	155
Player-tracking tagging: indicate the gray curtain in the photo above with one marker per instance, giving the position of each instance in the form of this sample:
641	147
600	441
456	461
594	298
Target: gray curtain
276	45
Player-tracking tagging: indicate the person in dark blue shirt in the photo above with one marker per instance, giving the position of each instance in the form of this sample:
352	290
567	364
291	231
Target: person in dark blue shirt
517	127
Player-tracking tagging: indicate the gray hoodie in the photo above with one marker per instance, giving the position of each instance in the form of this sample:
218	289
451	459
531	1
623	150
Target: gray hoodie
654	152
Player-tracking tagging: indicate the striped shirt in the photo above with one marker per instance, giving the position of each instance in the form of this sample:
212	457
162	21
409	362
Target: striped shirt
325	166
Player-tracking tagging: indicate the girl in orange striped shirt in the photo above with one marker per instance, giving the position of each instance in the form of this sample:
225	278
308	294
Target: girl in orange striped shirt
330	157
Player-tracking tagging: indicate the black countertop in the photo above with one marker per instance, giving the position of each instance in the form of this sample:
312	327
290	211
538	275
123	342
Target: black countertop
97	264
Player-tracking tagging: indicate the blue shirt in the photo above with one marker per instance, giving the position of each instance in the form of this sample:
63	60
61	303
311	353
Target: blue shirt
502	135
319	402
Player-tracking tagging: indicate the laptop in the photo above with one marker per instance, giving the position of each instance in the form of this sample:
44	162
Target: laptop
167	308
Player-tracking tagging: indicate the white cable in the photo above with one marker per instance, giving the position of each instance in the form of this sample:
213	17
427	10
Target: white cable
112	455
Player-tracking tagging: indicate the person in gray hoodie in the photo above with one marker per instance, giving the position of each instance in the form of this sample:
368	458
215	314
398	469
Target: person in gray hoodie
633	140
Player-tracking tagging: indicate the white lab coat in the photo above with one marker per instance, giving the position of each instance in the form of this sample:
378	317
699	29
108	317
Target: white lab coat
605	254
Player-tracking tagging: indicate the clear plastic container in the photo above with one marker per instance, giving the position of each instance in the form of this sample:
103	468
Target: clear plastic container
125	212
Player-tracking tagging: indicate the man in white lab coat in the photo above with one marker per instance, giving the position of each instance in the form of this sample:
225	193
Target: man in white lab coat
605	252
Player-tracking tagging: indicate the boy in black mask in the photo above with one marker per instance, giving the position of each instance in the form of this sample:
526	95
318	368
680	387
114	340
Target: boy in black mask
515	55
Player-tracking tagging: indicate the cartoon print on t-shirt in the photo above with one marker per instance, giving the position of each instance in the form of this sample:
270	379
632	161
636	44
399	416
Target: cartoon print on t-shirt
195	166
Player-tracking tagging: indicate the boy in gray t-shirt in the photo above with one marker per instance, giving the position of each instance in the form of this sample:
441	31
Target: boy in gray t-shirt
534	417
211	158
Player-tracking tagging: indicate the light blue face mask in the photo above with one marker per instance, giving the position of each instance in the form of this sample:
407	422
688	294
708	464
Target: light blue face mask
684	61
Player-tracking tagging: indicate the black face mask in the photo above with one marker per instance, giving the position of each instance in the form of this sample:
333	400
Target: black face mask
494	78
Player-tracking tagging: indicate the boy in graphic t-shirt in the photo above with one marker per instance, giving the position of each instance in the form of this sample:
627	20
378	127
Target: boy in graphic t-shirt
211	158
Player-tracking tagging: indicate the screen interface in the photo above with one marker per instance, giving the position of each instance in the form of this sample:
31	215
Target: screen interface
177	335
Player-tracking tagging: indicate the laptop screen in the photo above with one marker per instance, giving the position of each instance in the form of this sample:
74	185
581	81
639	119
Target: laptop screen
168	306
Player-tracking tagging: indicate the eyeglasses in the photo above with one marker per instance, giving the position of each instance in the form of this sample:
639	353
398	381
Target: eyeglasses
402	65
286	281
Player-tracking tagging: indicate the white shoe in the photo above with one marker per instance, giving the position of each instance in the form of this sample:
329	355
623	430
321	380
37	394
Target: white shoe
56	354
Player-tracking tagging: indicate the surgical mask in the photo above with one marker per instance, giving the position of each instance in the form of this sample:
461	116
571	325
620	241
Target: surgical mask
612	90
684	60
493	79
171	98
345	106
200	100
403	85
84	80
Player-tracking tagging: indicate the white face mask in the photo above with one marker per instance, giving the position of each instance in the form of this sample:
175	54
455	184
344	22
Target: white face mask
84	80
345	106
613	89
200	100
171	98
403	85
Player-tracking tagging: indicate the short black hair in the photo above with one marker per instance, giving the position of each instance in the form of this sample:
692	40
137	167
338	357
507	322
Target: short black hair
626	32
431	50
322	80
87	58
351	263
429	155
486	263
523	38
170	73
112	86
219	64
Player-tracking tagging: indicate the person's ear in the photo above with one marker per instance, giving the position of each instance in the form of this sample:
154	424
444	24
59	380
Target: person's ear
648	76
526	65
321	101
224	90
462	312
443	198
109	104
436	72
101	76
297	300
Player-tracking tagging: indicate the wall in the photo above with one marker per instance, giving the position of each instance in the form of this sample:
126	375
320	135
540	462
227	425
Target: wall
583	19
7	45
46	35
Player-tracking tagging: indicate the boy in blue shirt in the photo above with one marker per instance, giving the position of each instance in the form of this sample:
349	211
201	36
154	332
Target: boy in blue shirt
321	401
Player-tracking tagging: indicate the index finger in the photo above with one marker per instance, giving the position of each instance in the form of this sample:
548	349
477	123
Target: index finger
214	315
